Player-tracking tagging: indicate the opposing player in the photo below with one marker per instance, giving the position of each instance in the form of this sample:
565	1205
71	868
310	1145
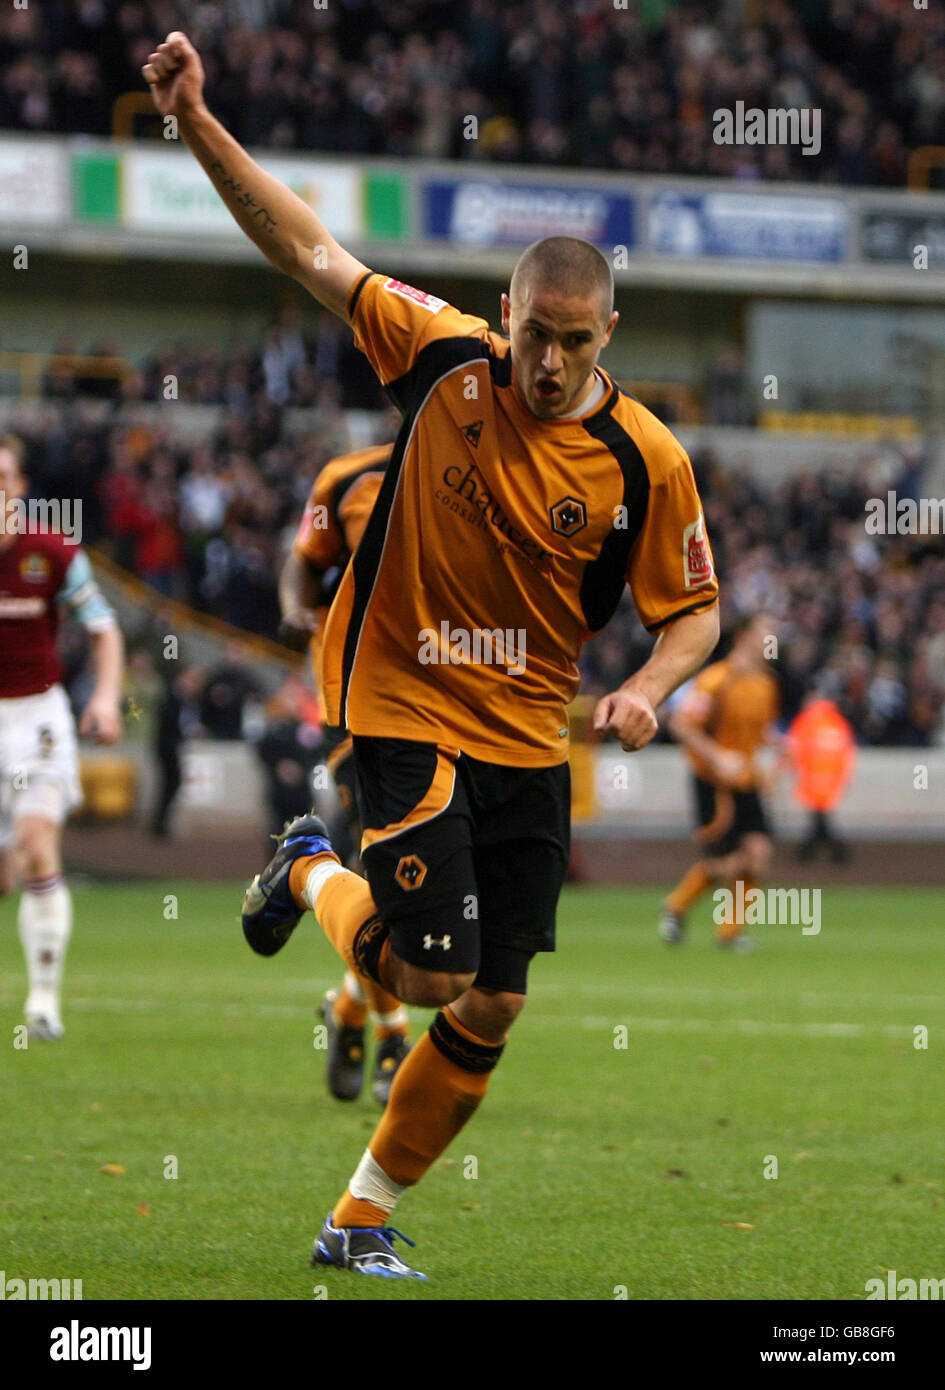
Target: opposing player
523	491
726	718
336	513
39	781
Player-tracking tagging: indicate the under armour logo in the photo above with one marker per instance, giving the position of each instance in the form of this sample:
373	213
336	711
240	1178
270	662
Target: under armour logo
444	942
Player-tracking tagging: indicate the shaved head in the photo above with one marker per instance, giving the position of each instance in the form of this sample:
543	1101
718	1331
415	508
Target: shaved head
571	267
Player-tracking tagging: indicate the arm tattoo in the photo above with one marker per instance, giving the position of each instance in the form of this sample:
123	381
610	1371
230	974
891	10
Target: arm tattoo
227	182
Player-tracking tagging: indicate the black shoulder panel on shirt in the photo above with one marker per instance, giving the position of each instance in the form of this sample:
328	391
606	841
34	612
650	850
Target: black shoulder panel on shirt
605	576
342	486
409	391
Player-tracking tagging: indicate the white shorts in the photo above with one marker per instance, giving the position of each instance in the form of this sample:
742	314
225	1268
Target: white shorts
39	760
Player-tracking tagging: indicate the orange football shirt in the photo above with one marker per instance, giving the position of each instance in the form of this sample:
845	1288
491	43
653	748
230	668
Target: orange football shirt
499	542
734	708
336	513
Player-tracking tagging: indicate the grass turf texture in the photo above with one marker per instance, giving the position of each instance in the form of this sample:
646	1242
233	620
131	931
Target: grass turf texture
599	1166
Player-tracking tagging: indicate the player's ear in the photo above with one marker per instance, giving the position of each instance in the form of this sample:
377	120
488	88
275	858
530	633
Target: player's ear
506	311
611	325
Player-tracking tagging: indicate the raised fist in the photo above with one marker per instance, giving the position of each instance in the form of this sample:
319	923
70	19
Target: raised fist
175	75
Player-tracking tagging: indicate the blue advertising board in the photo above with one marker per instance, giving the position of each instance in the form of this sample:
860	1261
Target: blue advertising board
493	212
751	226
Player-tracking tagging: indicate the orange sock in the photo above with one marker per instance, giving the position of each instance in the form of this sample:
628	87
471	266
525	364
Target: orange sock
348	1012
345	907
691	886
355	1211
438	1087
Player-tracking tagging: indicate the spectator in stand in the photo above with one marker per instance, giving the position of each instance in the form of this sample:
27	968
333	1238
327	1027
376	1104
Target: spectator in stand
588	85
289	750
226	693
178	720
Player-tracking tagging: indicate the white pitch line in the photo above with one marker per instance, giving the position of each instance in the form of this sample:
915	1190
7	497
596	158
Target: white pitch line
633	1022
732	1025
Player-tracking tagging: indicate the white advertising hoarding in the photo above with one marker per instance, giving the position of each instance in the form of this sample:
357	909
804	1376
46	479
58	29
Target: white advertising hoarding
34	183
168	192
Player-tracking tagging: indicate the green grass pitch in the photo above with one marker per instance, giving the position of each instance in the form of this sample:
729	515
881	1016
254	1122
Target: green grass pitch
599	1168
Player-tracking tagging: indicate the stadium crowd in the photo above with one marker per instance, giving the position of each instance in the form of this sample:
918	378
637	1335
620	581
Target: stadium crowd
587	84
207	517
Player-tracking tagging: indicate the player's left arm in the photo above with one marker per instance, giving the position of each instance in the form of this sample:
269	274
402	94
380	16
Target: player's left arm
101	718
681	649
672	579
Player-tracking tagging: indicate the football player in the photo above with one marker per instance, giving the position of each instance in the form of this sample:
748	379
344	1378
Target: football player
42	569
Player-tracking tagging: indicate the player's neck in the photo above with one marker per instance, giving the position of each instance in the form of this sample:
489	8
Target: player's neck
594	383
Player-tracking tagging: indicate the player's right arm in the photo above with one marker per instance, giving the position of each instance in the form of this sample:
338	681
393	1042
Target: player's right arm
284	228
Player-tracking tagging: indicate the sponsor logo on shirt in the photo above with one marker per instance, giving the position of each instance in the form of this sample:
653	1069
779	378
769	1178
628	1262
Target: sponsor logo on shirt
426	301
34	568
28	607
696	560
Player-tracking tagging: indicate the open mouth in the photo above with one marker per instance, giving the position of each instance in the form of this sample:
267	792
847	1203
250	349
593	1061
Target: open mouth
548	390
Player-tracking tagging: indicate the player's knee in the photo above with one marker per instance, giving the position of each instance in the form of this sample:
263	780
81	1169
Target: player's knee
425	989
35	855
758	858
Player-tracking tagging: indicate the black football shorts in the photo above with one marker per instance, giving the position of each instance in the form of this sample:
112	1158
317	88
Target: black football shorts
726	816
465	858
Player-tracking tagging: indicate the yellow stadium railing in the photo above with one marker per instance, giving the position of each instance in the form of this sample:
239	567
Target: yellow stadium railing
134	591
921	163
125	110
839	422
31	367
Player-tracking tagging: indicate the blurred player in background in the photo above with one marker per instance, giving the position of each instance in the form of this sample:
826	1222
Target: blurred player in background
39	775
821	748
727	716
524	488
337	511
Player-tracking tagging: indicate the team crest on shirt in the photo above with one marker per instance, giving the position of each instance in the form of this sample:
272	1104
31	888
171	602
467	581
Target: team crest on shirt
410	872
697	561
34	568
568	516
426	301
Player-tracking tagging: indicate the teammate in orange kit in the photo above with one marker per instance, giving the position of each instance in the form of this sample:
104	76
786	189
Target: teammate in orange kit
821	747
725	718
336	513
524	491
